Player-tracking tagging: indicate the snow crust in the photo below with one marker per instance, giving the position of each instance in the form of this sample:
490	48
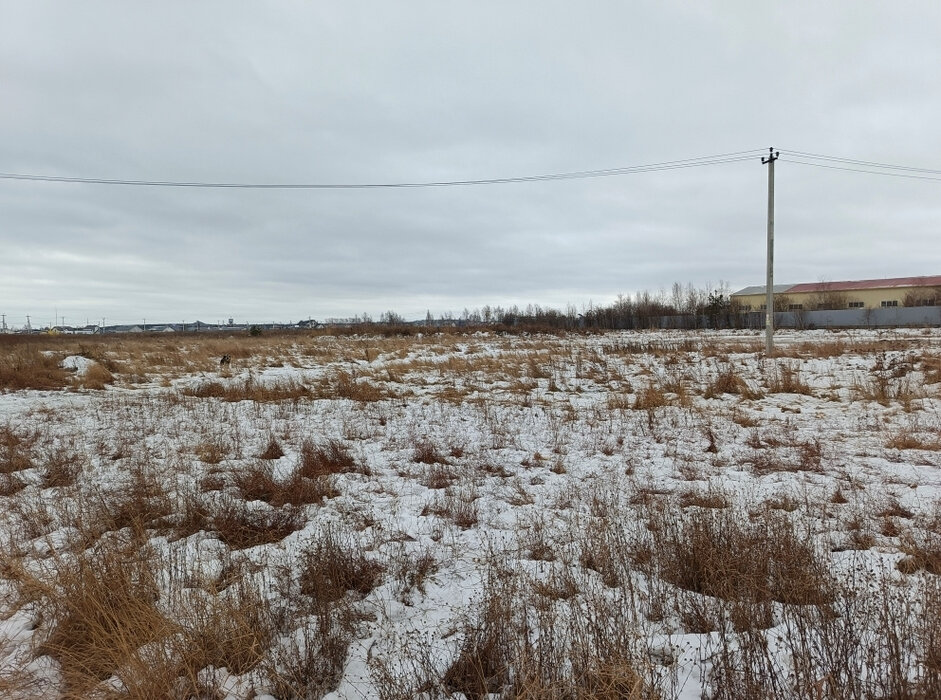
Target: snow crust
528	454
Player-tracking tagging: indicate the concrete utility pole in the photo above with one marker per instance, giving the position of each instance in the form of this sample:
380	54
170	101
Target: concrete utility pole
769	294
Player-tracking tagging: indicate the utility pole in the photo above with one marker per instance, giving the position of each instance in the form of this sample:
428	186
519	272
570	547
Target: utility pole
769	294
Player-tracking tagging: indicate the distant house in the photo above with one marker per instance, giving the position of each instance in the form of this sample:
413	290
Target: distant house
855	294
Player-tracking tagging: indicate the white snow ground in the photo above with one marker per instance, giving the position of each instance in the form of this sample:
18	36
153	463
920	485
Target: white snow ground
488	469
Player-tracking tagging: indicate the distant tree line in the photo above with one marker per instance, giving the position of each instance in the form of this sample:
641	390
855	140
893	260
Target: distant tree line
682	307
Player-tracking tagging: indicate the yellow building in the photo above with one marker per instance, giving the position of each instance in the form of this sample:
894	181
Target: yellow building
859	294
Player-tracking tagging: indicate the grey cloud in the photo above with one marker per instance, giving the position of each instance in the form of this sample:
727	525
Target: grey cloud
373	92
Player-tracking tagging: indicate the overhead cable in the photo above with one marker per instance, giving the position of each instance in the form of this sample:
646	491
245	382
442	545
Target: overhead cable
701	161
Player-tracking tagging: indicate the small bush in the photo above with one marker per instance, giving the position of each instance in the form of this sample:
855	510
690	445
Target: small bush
335	566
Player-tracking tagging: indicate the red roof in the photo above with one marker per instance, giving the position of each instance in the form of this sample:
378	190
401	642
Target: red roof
933	281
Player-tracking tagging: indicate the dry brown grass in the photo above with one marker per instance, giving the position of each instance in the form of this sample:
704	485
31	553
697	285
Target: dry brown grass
256	482
728	381
785	378
325	458
458	504
231	629
95	377
101	611
61	467
650	397
272	449
426	452
26	367
720	553
240	526
16	449
335	566
910	439
250	389
921	546
341	384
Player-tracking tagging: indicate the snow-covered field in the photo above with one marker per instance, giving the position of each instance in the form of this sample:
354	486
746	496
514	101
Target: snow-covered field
664	514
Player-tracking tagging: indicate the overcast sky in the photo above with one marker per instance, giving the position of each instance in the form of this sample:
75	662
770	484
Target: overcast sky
384	92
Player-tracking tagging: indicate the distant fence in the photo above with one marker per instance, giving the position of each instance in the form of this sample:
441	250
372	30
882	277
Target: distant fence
837	318
854	318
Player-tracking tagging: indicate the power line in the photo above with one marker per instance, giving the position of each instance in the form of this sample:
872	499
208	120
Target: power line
866	163
701	161
909	176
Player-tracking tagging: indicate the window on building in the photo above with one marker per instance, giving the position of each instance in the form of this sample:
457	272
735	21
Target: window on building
763	307
795	307
887	304
856	305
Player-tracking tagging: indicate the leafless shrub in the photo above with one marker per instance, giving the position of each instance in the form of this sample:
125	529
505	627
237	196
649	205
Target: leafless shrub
335	565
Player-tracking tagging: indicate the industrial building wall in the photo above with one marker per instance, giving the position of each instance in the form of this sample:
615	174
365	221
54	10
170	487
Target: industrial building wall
871	298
